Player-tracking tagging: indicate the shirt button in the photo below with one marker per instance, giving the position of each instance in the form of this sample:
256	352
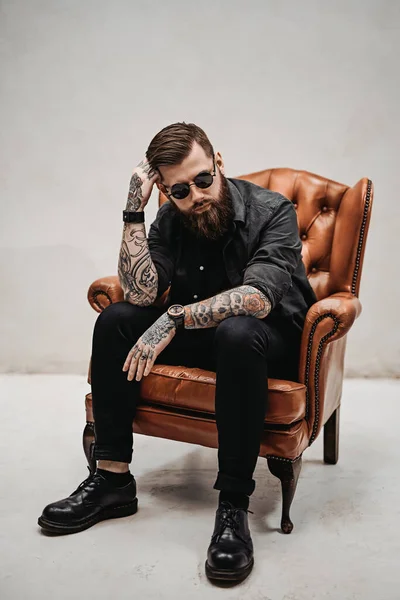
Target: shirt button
195	296
201	268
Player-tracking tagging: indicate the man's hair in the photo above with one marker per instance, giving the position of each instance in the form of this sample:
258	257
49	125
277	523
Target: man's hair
173	144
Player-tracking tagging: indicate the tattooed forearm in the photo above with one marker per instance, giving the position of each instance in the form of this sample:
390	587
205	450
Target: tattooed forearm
137	273
243	300
135	195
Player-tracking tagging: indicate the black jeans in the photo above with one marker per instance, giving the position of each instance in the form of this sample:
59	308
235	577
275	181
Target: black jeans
240	350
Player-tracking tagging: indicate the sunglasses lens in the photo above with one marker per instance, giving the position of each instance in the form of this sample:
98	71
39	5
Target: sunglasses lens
180	191
203	180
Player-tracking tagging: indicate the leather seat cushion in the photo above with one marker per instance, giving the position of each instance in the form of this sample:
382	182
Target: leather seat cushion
191	389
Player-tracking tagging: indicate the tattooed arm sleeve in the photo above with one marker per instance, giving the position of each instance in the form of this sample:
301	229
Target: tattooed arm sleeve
243	300
136	271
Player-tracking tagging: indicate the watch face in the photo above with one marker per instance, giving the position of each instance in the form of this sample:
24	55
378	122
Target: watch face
176	310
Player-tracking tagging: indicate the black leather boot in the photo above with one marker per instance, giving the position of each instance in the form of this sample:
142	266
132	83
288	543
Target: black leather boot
94	500
230	553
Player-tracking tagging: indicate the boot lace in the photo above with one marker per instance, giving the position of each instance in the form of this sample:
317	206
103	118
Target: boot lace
91	479
229	520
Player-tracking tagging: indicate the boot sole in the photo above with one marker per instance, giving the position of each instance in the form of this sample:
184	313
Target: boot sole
224	575
109	513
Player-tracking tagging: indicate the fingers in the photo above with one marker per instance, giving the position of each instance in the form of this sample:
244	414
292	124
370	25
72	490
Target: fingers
128	359
149	366
139	361
141	365
151	174
146	363
135	355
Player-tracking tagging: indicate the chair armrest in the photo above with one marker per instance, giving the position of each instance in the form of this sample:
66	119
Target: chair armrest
322	355
105	291
343	308
108	290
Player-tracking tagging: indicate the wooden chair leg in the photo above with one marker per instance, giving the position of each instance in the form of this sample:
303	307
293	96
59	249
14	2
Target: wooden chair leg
288	472
331	438
88	445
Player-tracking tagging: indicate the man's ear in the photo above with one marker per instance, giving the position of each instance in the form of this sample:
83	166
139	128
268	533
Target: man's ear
160	187
219	162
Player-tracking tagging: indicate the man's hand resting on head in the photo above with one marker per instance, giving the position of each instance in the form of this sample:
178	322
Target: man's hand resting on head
140	187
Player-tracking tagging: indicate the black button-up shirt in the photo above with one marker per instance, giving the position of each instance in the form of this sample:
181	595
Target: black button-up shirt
261	249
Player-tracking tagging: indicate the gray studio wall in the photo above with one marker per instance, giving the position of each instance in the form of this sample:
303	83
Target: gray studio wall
87	83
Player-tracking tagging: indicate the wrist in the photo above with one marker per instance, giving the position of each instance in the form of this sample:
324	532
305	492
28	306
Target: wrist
131	208
171	321
176	313
129	216
168	322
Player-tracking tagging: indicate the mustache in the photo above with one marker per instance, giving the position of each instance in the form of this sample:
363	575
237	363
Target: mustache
202	203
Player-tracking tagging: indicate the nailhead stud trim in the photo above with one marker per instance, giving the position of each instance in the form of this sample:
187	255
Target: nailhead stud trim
101	293
361	238
290	460
317	369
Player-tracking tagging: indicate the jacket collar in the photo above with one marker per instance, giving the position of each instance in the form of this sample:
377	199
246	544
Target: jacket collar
237	202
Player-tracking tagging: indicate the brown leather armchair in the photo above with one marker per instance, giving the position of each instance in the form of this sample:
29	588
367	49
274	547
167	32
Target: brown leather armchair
177	402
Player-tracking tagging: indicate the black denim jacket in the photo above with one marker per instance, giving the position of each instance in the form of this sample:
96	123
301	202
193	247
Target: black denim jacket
262	249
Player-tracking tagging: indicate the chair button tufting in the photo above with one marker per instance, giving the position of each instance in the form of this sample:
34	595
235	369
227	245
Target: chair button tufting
324	209
304	236
314	270
295	204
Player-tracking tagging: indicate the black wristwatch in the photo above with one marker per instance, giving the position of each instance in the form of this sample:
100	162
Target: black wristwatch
177	313
130	216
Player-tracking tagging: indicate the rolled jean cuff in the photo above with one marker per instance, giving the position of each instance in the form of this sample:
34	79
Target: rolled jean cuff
229	483
110	453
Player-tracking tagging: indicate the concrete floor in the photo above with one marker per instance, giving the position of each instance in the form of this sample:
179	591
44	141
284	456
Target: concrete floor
345	545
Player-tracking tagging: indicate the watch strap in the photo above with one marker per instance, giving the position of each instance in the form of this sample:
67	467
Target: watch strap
179	320
130	216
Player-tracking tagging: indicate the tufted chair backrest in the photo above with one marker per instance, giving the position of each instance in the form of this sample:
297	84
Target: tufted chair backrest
333	224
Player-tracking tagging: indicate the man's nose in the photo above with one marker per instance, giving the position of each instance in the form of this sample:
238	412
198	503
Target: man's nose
196	193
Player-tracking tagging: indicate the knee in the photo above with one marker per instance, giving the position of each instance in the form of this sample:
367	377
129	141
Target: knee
241	333
115	315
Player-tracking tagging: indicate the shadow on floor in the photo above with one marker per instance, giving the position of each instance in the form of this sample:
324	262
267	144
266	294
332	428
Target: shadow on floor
187	483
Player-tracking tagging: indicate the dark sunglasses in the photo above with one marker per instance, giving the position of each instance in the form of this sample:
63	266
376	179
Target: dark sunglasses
203	180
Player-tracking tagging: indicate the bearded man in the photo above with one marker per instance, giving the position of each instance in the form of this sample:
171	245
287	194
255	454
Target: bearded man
230	254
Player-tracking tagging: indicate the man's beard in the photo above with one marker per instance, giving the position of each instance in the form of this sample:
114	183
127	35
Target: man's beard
215	220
